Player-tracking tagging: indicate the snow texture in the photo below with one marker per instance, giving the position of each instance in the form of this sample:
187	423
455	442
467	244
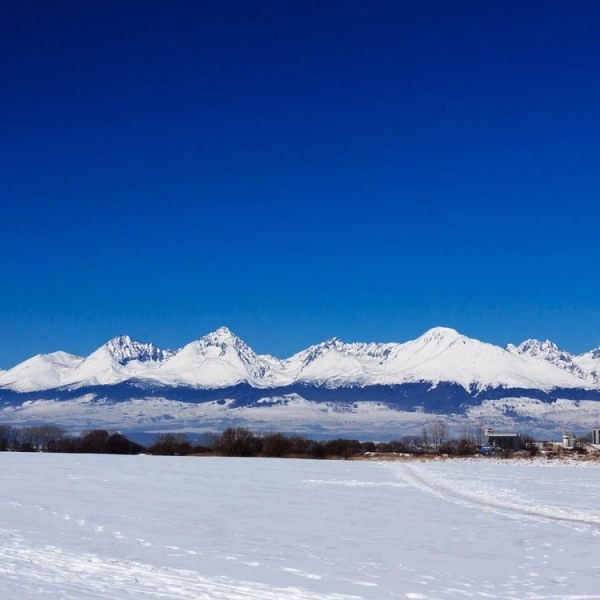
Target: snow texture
83	527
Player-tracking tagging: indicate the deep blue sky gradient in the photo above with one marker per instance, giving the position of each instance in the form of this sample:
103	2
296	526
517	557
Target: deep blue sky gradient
297	171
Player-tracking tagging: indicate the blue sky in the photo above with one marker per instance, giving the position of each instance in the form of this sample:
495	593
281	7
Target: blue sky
297	171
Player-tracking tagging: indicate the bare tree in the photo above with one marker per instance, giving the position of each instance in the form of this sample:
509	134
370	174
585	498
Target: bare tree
413	443
465	446
51	436
300	444
425	437
277	445
208	439
479	430
582	442
238	441
438	432
171	444
466	433
117	443
41	437
343	447
6	436
93	441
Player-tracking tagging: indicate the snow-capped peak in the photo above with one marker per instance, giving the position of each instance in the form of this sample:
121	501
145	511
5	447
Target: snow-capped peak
550	352
123	349
220	337
218	359
313	352
595	353
41	372
119	359
589	362
546	350
440	334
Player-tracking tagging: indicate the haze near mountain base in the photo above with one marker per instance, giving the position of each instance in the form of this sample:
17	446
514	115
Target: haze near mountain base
333	386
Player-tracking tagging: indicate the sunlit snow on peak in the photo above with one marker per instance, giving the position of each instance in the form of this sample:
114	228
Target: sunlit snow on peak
581	366
440	334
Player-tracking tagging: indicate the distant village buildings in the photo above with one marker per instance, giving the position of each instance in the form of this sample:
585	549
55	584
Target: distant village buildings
496	442
502	441
568	439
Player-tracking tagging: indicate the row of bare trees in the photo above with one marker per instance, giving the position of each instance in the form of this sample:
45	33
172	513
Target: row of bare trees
234	441
242	442
50	438
435	438
35	438
239	441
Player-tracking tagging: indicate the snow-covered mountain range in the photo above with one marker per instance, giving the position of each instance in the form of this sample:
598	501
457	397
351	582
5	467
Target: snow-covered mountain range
221	360
334	386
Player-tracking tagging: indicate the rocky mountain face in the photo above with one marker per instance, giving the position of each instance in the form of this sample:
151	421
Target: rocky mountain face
585	366
123	350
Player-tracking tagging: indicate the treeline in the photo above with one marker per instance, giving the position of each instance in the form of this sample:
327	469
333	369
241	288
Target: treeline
241	442
50	438
234	441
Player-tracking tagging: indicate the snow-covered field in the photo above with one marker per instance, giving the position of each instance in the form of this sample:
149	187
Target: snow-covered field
84	526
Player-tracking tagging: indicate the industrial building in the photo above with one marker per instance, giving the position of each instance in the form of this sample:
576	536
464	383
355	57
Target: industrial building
569	440
503	441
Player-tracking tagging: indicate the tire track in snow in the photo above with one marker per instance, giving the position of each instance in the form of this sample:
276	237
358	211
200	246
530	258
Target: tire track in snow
448	492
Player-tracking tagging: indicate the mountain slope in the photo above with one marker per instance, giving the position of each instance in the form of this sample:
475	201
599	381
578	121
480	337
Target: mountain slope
41	372
119	359
585	366
589	362
217	360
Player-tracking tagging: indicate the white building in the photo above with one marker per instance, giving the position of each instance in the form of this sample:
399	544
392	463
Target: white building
596	437
568	439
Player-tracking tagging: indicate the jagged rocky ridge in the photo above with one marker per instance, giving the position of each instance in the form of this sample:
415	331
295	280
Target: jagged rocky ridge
584	366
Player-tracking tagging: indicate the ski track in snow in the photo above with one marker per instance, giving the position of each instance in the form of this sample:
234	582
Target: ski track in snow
424	481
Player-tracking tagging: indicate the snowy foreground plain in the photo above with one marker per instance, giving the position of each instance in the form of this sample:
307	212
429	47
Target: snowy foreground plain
85	526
